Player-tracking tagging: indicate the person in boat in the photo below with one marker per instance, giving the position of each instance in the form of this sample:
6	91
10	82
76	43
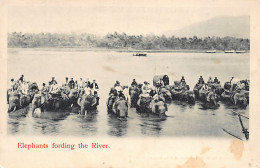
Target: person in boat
216	80
134	83
201	80
53	81
71	83
209	80
21	79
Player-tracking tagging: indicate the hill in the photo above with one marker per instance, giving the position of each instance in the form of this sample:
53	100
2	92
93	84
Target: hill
232	26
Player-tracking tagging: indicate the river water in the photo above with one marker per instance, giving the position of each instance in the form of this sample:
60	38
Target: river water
106	67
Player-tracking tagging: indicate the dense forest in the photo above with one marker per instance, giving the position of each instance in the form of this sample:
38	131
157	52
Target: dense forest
121	40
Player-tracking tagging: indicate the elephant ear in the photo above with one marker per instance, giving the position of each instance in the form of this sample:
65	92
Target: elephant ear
42	100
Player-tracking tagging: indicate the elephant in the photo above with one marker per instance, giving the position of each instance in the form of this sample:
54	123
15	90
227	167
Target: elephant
196	90
49	102
25	100
183	94
166	94
143	103
134	92
87	103
208	96
212	98
120	108
111	100
38	102
13	101
159	107
73	96
240	99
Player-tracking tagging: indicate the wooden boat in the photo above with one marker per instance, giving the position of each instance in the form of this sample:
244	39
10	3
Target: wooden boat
140	54
240	51
229	51
211	51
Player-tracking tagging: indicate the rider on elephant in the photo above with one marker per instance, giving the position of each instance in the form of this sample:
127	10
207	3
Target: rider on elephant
209	80
216	80
146	87
24	87
71	83
118	87
183	82
44	88
201	81
134	83
12	85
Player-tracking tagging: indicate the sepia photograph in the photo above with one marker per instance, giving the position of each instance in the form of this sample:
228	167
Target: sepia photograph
112	78
188	78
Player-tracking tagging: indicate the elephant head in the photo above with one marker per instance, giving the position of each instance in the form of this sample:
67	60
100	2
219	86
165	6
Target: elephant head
13	100
159	107
212	98
38	101
134	94
25	100
190	97
110	102
166	94
240	99
121	108
87	102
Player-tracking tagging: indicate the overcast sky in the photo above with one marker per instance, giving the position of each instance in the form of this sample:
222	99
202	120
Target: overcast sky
101	19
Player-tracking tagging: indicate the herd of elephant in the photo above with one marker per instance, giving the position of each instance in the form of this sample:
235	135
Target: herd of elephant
57	102
154	103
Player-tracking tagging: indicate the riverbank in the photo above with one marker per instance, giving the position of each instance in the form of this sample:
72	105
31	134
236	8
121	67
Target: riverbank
81	49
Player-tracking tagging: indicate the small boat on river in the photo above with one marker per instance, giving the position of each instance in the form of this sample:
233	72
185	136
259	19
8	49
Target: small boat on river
140	54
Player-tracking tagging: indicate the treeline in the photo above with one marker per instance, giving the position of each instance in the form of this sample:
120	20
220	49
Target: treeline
122	40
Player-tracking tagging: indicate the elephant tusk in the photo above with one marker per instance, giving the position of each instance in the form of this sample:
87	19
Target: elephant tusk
14	109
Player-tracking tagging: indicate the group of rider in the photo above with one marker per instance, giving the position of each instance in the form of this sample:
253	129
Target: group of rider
22	86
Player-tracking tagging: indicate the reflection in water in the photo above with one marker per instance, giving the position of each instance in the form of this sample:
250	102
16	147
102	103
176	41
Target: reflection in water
117	127
151	124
